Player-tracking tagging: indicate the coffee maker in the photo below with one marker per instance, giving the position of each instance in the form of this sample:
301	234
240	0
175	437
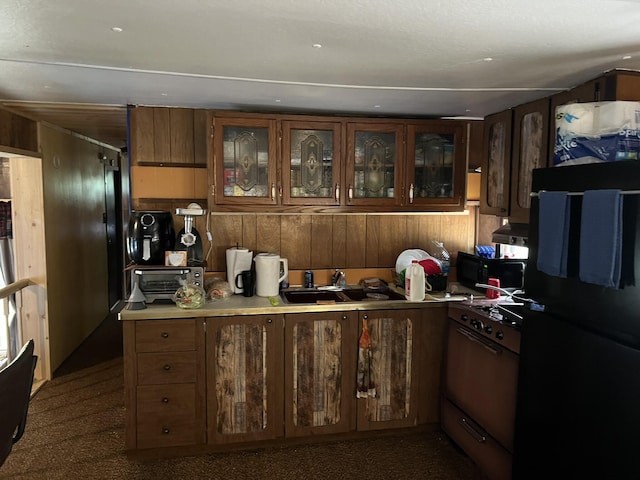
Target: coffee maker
149	235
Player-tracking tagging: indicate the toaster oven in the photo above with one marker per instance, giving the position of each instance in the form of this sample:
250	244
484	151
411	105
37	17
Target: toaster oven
160	283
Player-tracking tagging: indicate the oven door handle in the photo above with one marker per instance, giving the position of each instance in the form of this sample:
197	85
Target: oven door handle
480	340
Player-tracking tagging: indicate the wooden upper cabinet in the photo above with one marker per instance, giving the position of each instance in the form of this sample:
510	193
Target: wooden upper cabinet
245	161
168	136
614	85
311	163
374	163
516	142
18	132
435	164
496	164
530	151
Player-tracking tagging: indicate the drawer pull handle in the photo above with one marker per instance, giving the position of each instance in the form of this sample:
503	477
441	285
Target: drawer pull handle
167	367
165	400
165	430
344	317
478	437
165	335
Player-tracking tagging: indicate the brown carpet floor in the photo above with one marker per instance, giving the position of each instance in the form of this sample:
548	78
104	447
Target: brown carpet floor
75	429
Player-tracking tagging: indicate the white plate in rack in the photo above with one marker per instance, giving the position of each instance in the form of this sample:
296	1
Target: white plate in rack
406	257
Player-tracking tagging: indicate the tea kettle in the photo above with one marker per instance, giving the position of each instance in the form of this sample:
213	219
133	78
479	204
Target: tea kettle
268	273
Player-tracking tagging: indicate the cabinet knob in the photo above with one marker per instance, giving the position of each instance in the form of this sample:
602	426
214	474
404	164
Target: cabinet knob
411	193
273	191
165	430
167	367
350	192
344	317
269	320
165	335
337	193
365	316
165	400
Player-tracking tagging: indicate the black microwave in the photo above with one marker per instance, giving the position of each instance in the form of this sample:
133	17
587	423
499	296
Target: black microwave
471	269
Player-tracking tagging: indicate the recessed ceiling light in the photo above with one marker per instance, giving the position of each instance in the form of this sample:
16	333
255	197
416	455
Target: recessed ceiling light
376	106
317	45
626	57
163	94
487	59
277	100
116	29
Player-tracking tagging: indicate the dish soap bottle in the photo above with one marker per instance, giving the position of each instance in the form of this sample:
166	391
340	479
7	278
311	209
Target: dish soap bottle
414	282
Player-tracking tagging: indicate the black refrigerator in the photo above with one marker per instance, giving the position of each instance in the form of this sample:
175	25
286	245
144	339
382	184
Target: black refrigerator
578	407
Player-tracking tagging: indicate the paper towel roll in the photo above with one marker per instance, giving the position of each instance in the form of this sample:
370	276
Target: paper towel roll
238	259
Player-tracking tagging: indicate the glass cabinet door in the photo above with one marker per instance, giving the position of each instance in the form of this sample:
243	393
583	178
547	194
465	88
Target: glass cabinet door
311	163
245	157
373	169
436	163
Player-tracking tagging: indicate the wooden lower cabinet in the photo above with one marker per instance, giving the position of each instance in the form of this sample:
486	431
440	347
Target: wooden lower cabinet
390	369
250	378
319	383
244	378
164	373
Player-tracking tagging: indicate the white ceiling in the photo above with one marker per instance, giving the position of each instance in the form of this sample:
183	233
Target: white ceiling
378	57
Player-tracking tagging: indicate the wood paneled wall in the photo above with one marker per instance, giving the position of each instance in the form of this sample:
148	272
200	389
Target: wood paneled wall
321	241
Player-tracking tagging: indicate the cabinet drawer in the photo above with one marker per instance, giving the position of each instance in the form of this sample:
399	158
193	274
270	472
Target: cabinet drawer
167	415
165	335
492	459
160	368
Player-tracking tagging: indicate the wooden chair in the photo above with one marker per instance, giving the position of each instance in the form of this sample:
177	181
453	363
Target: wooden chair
16	380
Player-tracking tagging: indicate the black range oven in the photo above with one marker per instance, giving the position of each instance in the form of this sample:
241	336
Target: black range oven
480	384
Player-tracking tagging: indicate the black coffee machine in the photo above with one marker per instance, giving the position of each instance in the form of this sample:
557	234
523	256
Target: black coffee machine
150	234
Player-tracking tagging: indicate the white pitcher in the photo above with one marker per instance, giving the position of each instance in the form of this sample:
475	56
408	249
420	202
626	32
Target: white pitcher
268	276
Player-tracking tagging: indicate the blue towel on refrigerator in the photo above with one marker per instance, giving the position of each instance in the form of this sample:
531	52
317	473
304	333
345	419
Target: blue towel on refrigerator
601	238
553	233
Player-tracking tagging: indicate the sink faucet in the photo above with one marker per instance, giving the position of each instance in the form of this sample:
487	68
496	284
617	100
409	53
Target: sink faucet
339	279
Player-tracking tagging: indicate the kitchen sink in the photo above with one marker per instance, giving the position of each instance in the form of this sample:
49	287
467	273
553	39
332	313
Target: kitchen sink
359	295
337	296
312	296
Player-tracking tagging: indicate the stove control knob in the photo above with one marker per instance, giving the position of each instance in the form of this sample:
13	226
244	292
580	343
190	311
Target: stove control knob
477	324
500	335
464	317
488	329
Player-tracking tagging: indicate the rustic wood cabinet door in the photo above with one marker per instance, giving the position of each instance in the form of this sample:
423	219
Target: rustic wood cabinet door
530	151
496	164
387	369
436	165
320	362
244	378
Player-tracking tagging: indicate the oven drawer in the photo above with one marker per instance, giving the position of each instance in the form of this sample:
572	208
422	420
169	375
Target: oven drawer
481	378
489	455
